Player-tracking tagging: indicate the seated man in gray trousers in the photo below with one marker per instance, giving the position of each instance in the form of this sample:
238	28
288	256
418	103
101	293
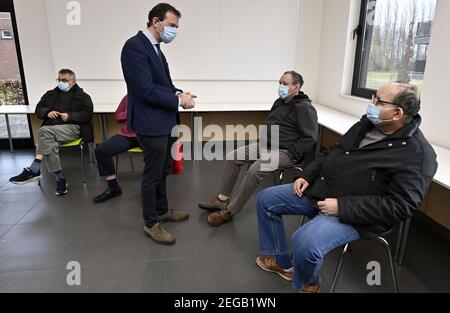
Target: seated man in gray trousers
295	118
67	114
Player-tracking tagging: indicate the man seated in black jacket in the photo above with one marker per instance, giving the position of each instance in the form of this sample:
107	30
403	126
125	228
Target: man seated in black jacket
375	177
67	114
295	119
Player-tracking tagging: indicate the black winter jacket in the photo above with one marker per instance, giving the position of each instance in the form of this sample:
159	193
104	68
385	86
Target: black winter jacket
379	185
298	125
81	113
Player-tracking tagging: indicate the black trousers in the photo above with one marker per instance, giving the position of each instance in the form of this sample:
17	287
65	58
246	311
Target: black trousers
115	145
158	164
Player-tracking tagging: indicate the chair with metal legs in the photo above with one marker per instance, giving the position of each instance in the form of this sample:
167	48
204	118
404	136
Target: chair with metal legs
130	152
79	143
76	143
402	241
391	263
278	179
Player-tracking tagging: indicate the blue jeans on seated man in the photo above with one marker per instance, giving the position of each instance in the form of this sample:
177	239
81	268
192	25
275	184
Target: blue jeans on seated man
310	243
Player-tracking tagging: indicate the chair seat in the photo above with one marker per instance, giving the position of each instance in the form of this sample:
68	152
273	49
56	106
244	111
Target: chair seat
136	150
292	167
72	143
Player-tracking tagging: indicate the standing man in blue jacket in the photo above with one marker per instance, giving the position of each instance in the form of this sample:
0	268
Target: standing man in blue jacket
153	103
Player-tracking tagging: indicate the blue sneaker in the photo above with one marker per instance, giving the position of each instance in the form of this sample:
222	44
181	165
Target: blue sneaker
61	187
26	177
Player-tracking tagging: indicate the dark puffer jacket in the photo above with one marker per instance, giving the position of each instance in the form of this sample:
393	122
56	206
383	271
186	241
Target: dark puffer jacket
379	185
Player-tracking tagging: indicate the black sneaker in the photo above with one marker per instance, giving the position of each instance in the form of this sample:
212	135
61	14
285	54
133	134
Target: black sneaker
61	187
108	194
26	177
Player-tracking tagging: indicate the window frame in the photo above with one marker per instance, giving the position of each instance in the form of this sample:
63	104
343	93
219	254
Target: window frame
361	45
7	6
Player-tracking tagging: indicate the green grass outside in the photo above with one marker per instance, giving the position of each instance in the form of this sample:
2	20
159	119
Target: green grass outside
376	80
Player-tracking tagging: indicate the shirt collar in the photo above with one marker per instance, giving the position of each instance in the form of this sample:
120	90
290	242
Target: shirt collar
150	37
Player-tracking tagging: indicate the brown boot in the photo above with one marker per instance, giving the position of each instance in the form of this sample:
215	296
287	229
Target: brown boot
173	216
310	289
214	204
219	218
159	234
269	264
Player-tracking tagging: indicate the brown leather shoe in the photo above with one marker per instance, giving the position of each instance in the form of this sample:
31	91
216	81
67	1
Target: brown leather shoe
214	204
269	264
219	218
159	234
310	289
173	216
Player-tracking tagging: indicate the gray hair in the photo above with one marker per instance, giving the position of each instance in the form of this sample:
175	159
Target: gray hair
409	100
296	77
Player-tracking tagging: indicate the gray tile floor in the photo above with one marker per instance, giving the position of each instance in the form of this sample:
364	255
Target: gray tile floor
40	234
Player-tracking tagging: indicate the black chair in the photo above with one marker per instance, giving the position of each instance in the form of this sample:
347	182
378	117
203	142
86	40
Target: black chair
279	174
402	241
391	263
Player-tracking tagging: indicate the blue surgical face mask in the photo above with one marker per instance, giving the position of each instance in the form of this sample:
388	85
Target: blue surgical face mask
168	34
64	86
283	91
373	114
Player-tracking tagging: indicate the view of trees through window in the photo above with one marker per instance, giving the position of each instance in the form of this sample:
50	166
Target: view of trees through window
397	36
11	90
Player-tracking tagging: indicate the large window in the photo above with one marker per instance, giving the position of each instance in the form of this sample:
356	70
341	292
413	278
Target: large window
12	86
393	40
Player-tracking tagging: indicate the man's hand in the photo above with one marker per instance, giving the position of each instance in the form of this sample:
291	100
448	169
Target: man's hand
300	186
64	116
329	207
53	115
187	100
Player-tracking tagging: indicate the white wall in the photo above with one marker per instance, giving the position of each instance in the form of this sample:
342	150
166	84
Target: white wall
337	62
308	43
35	46
324	55
436	99
39	35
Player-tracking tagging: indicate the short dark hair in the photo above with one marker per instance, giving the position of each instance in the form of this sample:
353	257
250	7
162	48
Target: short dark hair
66	71
160	10
409	100
296	78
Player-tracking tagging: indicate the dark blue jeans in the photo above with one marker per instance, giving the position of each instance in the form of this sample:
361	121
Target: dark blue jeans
310	243
115	145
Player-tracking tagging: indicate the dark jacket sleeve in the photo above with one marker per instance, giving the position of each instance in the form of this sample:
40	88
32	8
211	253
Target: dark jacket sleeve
307	125
84	114
405	194
312	171
42	108
139	78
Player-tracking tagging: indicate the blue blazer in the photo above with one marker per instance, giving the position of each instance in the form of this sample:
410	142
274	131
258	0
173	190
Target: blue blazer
152	102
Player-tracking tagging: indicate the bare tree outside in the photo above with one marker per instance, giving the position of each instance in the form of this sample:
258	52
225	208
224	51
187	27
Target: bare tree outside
400	36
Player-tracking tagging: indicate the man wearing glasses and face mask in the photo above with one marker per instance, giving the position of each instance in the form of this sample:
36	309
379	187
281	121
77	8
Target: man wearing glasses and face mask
375	177
66	112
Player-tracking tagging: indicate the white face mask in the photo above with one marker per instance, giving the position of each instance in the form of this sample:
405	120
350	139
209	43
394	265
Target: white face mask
283	91
64	86
168	34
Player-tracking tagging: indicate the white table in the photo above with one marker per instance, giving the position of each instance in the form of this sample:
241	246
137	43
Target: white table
14	110
334	120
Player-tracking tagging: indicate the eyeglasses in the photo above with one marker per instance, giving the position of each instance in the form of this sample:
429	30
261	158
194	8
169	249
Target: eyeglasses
63	80
377	100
